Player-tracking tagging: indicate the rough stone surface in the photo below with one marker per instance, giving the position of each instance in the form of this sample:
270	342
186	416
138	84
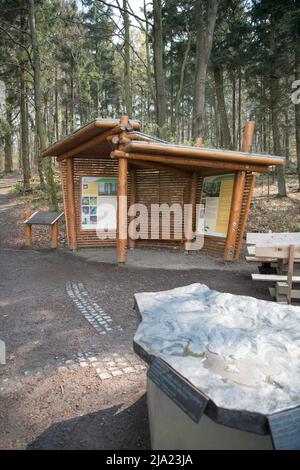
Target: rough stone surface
243	353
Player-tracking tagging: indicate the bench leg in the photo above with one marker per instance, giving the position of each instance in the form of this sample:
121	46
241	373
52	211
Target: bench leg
54	235
28	234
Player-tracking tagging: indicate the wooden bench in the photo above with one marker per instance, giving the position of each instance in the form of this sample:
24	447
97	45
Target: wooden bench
267	263
283	291
42	218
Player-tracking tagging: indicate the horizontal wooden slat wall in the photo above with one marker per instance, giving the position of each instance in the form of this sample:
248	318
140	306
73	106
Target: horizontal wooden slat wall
156	187
153	187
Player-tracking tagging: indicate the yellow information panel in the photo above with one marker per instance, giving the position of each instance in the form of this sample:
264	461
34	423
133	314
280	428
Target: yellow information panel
216	197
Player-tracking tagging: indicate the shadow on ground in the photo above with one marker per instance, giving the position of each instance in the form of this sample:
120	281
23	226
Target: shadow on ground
108	429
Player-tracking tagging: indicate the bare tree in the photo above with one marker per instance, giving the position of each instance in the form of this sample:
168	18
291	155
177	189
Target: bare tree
205	17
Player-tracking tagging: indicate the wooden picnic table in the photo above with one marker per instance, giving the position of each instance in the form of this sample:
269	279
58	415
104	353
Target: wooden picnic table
42	218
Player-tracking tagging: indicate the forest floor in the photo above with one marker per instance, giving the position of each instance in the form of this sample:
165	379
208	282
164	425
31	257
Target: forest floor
71	379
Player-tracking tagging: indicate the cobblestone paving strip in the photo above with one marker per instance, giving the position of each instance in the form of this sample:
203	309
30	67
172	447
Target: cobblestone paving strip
107	366
93	312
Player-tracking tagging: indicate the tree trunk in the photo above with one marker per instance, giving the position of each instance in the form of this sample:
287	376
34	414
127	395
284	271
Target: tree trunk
181	82
8	138
205	25
240	110
277	150
219	85
127	67
159	73
38	107
297	104
24	132
275	94
233	112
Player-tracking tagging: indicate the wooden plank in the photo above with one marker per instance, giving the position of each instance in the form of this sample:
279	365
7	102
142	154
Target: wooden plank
273	277
122	203
192	210
192	162
235	212
71	204
155	148
44	218
292	250
131	241
276	251
244	220
54	235
248	135
253	259
27	228
273	237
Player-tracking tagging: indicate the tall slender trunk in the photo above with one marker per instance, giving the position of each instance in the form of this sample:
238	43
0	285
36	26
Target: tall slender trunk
219	85
56	108
38	107
274	97
297	104
181	81
159	72
205	25
233	112
127	66
8	138
275	93
24	132
240	109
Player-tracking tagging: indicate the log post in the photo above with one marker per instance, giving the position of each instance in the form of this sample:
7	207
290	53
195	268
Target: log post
71	212
246	146
245	216
27	228
131	241
235	213
54	235
191	211
122	201
248	135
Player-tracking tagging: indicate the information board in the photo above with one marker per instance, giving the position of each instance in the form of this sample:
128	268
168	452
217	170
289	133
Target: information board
98	203
216	197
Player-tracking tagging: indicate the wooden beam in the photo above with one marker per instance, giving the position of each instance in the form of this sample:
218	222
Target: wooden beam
122	202
161	167
27	228
248	135
192	210
290	273
71	211
54	235
64	200
170	150
131	241
243	224
86	145
190	162
235	212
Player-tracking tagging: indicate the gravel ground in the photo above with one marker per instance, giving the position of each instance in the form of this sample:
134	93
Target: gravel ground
71	380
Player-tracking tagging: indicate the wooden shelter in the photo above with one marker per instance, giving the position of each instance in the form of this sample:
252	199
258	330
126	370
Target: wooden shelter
110	157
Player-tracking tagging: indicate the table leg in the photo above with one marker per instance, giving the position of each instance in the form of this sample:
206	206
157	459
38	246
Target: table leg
54	235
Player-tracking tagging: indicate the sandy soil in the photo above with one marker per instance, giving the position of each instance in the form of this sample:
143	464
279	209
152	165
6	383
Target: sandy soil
52	395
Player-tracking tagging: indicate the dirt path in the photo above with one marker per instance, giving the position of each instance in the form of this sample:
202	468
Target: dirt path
72	380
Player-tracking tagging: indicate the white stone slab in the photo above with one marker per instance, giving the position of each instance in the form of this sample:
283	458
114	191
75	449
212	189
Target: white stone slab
243	353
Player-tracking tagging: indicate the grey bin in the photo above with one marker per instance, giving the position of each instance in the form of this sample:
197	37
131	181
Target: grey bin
172	429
